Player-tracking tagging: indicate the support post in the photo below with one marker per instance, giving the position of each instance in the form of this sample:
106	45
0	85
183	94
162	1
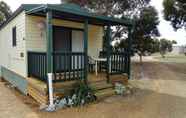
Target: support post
86	50
51	106
129	52
108	39
49	43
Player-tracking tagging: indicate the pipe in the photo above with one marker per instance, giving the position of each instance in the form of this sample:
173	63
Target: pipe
51	106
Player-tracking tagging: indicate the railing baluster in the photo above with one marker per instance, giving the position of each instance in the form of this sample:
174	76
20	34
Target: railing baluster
67	65
73	60
69	57
78	66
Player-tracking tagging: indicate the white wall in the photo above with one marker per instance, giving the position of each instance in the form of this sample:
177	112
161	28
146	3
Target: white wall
10	56
37	42
31	38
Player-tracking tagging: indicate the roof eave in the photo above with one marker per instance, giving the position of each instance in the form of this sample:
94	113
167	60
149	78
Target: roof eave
37	9
109	20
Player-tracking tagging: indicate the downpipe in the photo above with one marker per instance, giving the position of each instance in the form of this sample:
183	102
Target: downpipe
51	107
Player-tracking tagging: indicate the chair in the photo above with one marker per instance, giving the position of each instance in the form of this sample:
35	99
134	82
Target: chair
91	64
102	65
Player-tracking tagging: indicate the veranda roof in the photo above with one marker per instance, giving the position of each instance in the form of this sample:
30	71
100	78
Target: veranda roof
68	12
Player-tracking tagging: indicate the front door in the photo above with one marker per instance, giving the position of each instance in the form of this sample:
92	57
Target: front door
62	43
62	39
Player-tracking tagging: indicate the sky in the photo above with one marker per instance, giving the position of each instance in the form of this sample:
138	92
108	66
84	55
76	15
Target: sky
165	28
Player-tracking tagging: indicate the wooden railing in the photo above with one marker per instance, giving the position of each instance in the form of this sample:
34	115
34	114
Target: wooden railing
118	62
37	65
67	66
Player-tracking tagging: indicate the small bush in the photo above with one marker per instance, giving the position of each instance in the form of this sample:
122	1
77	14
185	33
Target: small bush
82	94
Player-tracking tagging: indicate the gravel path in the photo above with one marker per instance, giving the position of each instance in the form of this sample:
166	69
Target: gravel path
11	106
162	94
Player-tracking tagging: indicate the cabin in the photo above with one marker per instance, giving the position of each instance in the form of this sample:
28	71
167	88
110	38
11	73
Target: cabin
65	41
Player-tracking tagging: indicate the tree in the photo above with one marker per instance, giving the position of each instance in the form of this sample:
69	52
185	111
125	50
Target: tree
111	7
145	31
145	17
175	11
5	12
114	8
166	46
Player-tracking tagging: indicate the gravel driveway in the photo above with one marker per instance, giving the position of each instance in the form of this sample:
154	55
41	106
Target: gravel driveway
159	93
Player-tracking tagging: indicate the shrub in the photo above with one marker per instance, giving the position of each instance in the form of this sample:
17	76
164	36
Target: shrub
82	94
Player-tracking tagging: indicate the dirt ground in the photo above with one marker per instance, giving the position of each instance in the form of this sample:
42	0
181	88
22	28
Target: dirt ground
160	92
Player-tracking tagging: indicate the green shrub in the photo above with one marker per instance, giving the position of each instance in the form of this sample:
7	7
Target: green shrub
82	94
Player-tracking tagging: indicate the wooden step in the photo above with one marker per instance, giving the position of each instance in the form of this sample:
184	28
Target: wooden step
100	85
122	78
38	85
101	94
37	95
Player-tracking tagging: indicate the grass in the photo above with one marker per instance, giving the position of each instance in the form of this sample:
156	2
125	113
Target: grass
177	58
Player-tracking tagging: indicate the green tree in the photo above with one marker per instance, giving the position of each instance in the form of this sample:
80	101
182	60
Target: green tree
145	16
166	46
5	12
145	31
175	11
114	8
111	7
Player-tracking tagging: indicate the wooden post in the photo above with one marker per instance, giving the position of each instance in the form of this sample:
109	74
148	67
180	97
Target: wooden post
49	43
51	106
129	52
108	39
86	49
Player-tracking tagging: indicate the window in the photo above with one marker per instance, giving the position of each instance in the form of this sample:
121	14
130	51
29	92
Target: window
14	37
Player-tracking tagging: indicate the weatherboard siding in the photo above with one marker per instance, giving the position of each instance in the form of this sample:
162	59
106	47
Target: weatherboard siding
36	38
11	56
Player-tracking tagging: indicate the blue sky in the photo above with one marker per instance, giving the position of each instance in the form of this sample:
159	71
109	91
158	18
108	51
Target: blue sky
165	28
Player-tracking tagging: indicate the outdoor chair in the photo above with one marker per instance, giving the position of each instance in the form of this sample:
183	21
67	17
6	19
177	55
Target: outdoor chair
91	64
102	65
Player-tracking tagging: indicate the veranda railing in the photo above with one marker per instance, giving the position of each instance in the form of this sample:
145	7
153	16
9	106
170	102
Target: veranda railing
67	66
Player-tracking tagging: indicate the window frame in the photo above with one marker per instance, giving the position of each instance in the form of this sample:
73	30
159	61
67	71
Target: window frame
14	36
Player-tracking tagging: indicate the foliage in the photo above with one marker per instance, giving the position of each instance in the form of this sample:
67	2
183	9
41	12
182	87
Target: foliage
146	19
84	94
114	8
155	46
111	7
145	31
5	12
166	46
175	11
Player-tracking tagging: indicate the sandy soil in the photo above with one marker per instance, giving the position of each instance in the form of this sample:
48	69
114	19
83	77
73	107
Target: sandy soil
160	92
